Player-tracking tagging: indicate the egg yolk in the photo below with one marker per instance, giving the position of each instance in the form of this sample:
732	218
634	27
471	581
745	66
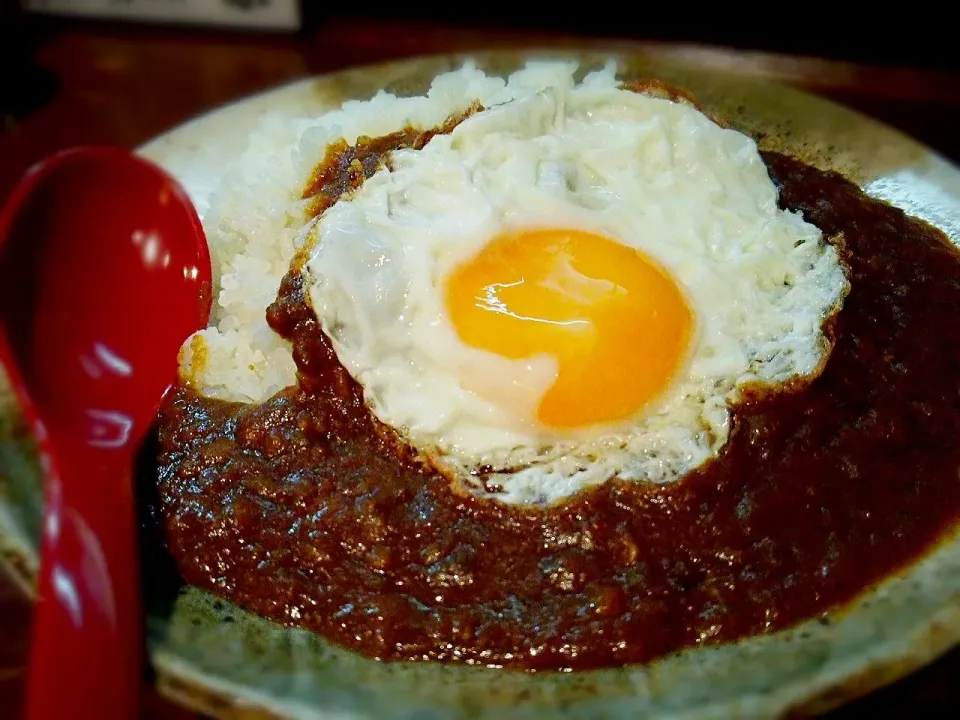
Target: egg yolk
616	323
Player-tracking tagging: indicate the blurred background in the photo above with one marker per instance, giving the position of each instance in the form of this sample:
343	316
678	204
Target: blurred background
899	64
121	71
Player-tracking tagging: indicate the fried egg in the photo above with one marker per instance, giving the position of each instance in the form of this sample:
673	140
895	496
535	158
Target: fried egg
571	286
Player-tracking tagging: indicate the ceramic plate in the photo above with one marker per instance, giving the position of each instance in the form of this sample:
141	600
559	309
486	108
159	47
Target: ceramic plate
212	656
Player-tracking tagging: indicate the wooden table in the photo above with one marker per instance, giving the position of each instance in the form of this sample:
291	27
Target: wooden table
123	85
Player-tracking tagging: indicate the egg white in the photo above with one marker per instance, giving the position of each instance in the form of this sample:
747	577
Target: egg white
650	173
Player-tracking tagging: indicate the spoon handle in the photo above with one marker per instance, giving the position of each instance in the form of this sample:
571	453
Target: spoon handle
85	651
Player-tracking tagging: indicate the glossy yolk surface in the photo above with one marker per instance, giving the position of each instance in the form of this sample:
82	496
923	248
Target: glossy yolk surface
617	324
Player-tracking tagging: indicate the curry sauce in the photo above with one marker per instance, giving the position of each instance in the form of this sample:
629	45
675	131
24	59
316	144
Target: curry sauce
307	510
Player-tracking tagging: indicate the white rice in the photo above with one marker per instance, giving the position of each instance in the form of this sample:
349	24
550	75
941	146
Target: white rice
256	216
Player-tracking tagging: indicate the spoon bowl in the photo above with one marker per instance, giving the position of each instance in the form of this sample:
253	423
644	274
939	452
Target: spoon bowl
104	272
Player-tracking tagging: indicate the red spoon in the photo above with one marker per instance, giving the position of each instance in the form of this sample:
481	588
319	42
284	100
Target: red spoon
104	272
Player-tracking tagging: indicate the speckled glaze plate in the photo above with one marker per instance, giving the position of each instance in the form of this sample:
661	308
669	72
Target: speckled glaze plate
214	657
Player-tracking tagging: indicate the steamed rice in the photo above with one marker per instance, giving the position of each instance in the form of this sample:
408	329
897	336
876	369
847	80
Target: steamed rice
257	216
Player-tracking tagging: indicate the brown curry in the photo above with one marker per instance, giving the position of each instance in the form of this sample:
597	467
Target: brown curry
307	510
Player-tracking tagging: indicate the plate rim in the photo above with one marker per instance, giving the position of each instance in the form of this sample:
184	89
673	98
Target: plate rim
820	700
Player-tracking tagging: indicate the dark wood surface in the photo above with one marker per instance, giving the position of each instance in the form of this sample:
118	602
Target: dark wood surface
124	84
